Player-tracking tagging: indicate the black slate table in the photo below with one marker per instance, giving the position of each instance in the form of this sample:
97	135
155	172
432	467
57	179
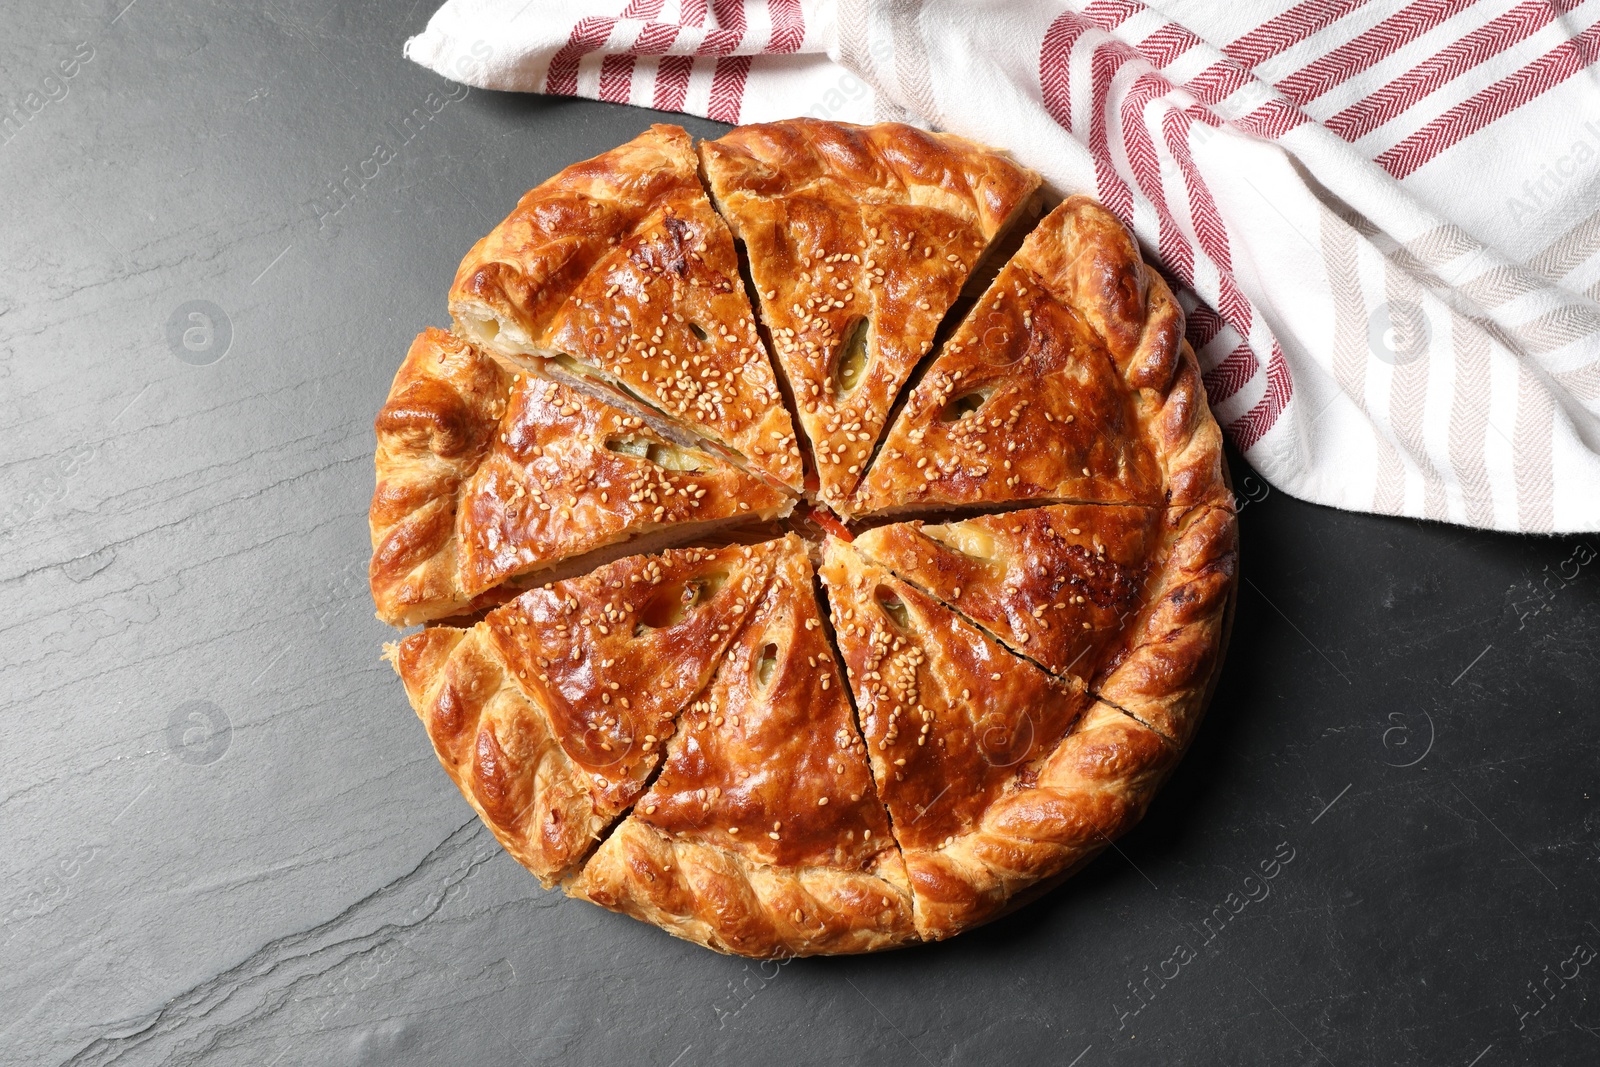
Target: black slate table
225	838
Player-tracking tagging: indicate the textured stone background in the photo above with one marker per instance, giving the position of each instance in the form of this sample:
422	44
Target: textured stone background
227	842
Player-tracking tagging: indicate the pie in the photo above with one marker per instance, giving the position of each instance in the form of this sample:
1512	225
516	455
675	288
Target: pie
837	611
1094	593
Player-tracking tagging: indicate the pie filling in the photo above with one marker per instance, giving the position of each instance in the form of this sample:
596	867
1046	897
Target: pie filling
656	685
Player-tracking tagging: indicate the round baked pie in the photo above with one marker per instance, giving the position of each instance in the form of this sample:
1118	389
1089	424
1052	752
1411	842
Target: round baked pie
817	551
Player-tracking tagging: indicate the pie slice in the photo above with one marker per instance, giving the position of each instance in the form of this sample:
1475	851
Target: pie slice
1133	601
1069	381
618	269
1058	584
487	476
551	713
956	726
763	834
859	241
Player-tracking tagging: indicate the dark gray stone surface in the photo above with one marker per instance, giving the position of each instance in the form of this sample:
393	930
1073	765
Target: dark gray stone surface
226	840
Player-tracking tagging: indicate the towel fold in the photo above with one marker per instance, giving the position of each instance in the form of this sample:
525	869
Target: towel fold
1383	220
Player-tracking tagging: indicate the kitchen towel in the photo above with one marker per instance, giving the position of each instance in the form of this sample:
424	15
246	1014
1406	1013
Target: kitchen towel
1383	219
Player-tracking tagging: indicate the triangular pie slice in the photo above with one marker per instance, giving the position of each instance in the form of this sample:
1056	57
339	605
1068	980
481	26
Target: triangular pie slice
763	834
1069	381
859	240
487	476
1058	584
619	269
551	714
1132	601
955	724
570	474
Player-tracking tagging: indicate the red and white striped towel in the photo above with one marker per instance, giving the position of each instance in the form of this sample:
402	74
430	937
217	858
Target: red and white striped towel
1383	218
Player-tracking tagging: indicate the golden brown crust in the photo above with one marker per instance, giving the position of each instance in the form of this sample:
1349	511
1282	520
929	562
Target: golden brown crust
521	271
1058	584
859	239
496	744
486	475
1093	787
620	264
725	902
550	749
1153	586
1169	655
615	656
767	762
1189	441
953	722
1068	381
433	432
763	834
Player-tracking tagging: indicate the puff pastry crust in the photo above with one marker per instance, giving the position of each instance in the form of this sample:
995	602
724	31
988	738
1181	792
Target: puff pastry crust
1057	584
1132	601
498	746
619	268
952	721
1165	662
1067	806
764	834
433	431
1069	381
859	241
551	714
485	475
764	757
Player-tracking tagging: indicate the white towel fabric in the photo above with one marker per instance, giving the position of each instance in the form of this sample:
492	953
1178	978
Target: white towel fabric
1383	219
